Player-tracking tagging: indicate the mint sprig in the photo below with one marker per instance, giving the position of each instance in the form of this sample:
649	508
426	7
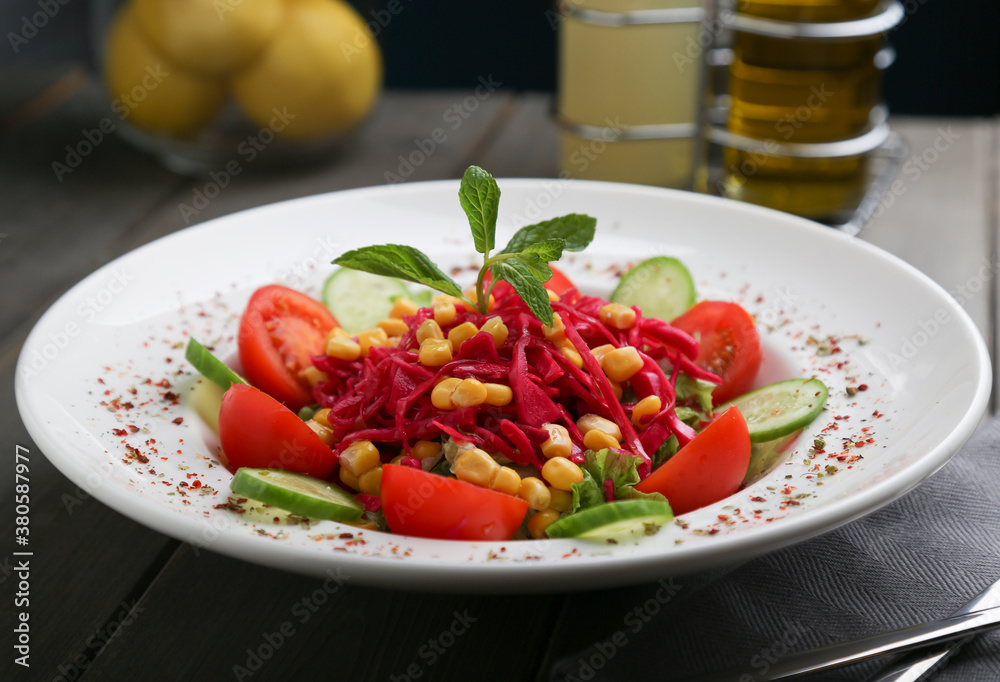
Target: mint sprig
523	263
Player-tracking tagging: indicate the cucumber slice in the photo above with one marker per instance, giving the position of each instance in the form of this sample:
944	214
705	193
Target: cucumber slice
661	286
360	299
211	367
297	493
614	520
780	409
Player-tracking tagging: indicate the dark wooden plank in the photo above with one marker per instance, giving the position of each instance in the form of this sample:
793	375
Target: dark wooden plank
87	561
528	145
57	228
29	92
410	137
207	617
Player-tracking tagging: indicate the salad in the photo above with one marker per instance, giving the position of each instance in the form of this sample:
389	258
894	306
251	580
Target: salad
518	407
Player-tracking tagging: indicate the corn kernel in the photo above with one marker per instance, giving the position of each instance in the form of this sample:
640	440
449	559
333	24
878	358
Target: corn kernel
370	482
444	299
558	443
323	417
402	307
398	459
595	422
498	395
535	493
343	349
461	334
601	351
475	466
372	337
622	363
474	298
445	313
429	329
598	440
435	352
538	523
394	341
423	449
337	333
561	500
359	457
313	375
506	481
569	352
468	393
441	394
348	479
325	433
553	296
617	388
497	329
646	407
393	327
561	473
557	332
617	315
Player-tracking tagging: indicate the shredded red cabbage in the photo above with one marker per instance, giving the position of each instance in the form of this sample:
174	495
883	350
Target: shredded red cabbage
386	397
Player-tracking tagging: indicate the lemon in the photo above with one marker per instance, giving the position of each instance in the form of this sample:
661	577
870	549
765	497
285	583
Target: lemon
152	92
210	36
319	75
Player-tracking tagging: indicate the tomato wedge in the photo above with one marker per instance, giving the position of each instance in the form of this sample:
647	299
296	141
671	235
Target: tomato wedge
281	329
729	342
257	431
426	505
709	468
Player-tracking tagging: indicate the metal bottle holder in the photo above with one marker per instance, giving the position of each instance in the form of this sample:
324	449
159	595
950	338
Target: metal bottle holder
885	149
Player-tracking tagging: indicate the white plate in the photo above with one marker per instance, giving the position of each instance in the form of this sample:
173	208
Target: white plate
122	330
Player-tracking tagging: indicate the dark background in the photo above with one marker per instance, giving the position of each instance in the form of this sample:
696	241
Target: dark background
948	50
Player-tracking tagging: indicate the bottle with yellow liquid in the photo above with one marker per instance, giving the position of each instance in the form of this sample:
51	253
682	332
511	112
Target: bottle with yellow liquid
804	87
629	74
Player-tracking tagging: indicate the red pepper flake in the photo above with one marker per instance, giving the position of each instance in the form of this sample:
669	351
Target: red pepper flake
119	432
713	531
863	387
842	417
133	428
100	380
179	421
136	455
877	414
171	396
758	498
162	383
345	536
196	484
722	517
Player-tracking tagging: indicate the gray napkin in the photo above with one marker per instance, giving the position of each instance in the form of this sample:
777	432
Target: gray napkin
917	559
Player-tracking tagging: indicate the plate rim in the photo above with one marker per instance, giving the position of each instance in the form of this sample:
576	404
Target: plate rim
479	576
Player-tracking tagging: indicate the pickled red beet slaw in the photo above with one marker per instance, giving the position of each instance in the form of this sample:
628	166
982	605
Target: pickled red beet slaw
385	397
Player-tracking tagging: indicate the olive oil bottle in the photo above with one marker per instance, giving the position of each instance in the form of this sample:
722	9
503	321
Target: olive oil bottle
792	91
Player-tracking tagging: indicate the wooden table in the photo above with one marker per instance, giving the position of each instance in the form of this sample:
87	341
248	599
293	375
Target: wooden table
166	613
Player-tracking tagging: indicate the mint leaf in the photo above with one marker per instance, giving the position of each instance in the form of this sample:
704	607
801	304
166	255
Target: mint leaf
576	229
538	267
480	199
527	286
547	250
397	260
